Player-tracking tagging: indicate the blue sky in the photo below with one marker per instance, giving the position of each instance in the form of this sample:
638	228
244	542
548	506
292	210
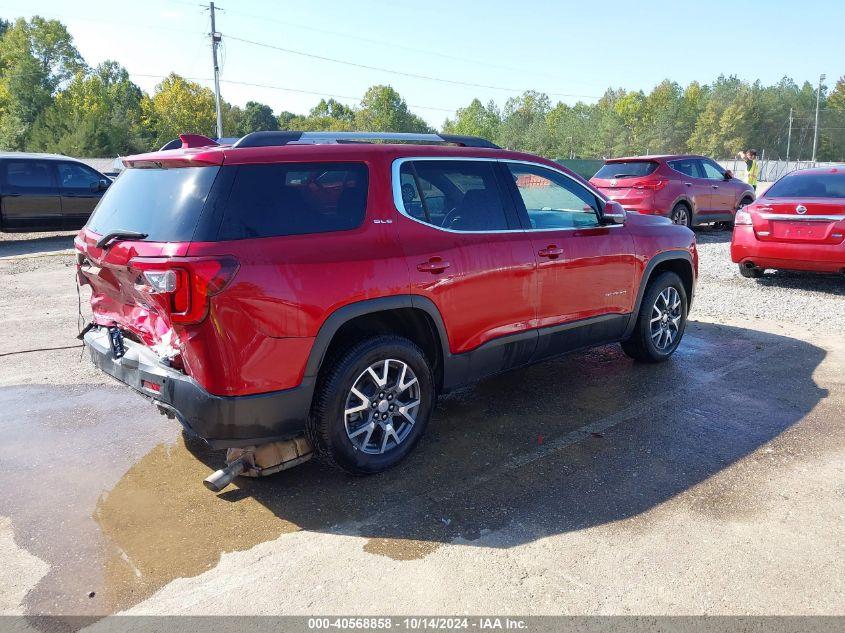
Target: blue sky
565	48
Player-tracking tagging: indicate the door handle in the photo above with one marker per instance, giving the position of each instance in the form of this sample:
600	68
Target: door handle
434	266
552	251
715	186
688	184
12	195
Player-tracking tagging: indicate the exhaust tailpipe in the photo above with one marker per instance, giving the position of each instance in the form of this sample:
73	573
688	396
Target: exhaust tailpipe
218	480
260	461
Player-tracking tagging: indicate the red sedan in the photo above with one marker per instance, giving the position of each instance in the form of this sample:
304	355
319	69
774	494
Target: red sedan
798	224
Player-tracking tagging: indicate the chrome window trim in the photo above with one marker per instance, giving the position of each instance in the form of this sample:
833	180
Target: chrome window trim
396	183
802	218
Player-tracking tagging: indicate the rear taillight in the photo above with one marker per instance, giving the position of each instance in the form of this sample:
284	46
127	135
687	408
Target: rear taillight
743	218
182	286
651	185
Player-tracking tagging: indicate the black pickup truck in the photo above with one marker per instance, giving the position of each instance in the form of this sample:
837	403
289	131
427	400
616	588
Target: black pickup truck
45	192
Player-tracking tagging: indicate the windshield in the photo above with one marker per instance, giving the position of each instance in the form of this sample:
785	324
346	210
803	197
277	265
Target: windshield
626	169
831	185
163	203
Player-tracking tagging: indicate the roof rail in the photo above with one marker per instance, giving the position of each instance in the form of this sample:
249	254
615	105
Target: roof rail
269	139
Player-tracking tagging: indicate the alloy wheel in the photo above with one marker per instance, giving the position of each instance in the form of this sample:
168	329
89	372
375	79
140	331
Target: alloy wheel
666	318
681	216
382	406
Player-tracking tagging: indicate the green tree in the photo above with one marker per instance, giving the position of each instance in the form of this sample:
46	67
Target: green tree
257	117
178	106
384	110
475	120
98	114
524	122
36	57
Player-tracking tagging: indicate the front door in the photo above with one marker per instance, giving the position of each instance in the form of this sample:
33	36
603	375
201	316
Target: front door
80	189
467	253
723	195
30	195
585	270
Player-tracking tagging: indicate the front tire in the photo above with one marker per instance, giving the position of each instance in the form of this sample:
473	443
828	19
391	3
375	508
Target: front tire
372	405
661	320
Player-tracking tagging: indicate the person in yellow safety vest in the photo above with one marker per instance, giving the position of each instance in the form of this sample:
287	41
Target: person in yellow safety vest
753	167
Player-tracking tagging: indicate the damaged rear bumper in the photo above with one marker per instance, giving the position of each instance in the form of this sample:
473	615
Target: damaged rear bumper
222	421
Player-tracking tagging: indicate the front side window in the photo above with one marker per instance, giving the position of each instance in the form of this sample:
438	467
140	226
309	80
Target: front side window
295	199
712	171
72	176
552	200
29	174
457	195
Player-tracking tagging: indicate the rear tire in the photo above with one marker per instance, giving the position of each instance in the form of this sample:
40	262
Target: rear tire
661	320
371	405
750	273
681	214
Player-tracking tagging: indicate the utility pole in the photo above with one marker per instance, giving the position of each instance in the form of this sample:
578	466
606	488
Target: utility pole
816	133
215	42
789	136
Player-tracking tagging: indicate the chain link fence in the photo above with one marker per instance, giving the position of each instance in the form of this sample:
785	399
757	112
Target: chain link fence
771	170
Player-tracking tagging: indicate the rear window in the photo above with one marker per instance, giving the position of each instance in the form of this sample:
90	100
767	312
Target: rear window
166	204
809	186
626	169
294	199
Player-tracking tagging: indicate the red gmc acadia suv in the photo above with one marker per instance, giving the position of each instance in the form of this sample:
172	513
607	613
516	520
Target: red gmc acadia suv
689	190
316	283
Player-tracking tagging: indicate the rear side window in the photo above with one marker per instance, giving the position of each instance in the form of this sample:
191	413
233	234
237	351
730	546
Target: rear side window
626	169
29	174
456	195
166	204
295	199
688	167
809	186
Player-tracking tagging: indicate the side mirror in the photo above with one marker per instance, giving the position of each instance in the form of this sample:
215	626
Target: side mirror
613	213
103	184
728	174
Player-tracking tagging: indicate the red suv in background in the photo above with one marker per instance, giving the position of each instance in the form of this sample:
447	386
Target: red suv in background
689	190
315	283
798	224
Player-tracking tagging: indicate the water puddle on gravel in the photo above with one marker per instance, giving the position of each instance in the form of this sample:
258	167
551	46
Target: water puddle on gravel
162	524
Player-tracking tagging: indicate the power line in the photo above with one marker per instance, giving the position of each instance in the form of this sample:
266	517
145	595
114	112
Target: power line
394	45
453	82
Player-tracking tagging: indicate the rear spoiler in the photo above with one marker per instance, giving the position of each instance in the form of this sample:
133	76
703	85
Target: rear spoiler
187	141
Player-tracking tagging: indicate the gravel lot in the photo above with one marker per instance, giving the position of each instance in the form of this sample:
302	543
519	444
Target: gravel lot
800	298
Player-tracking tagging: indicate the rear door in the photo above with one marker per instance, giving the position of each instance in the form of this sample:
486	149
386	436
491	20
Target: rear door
80	190
699	189
467	253
30	195
585	270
